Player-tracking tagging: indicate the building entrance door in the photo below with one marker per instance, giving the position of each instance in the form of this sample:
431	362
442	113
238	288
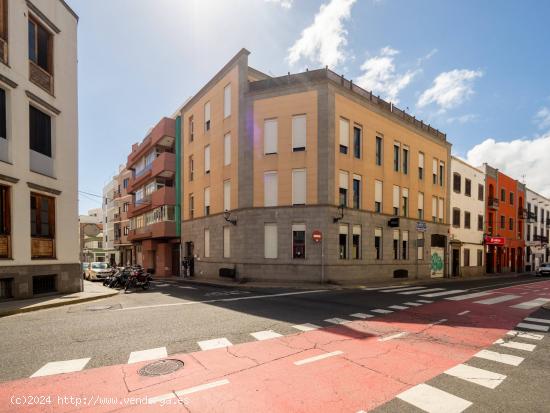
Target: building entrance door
456	262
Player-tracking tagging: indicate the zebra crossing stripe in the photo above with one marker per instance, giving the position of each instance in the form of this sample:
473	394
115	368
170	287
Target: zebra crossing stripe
532	304
482	377
265	335
430	290
361	315
306	327
398	307
433	400
337	320
499	357
499	299
58	367
442	293
145	355
522	334
468	296
537	320
214	343
535	327
394	290
515	345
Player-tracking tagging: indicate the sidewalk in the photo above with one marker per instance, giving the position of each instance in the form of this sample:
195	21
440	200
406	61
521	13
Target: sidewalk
92	291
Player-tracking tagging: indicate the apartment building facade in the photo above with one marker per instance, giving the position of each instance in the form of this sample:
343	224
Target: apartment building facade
39	244
505	212
121	223
466	243
537	230
269	163
153	212
109	209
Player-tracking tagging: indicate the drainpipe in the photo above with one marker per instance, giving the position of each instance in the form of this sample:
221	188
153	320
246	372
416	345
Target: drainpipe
178	176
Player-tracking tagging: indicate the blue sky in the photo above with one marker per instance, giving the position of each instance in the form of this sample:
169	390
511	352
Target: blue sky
475	70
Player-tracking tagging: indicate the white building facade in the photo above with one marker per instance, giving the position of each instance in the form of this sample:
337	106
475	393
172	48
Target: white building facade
39	248
109	211
537	231
467	219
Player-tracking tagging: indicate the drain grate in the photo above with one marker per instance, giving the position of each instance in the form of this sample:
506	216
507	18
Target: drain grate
160	368
98	307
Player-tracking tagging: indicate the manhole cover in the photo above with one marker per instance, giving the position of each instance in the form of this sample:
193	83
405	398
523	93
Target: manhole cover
160	368
98	307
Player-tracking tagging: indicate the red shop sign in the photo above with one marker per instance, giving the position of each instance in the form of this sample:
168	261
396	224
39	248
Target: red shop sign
494	240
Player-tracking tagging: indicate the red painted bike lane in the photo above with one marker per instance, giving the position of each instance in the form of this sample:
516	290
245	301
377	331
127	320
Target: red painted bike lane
346	368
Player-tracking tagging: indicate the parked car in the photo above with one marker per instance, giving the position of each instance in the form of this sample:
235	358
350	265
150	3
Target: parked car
544	269
98	271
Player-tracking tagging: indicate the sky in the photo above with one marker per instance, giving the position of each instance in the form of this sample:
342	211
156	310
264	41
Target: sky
478	71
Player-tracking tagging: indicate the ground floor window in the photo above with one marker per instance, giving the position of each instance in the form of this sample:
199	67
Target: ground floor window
356	243
466	257
395	244
378	243
405	245
479	258
5	221
420	246
299	241
343	242
42	226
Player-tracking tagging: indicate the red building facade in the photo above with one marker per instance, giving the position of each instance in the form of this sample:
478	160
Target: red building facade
505	222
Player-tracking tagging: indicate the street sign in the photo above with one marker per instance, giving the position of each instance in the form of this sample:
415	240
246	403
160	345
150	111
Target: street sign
317	236
421	226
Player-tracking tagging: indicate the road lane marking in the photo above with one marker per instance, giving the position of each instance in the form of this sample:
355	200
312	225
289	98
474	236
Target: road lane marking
438	322
150	354
306	327
464	312
482	377
522	334
425	301
381	311
168	396
413	304
443	293
361	315
186	287
433	400
317	358
214	343
499	357
265	335
515	345
380	288
430	290
499	299
537	320
398	307
161	285
58	367
393	336
535	327
532	304
337	320
468	296
394	290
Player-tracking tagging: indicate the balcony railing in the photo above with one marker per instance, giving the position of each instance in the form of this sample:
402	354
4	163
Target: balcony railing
493	203
164	165
531	217
541	238
166	127
40	77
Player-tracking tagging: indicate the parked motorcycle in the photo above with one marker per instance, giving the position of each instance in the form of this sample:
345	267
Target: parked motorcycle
138	277
119	278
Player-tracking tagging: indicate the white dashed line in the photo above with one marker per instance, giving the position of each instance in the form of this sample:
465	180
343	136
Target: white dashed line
214	343
438	322
433	400
534	327
532	304
499	299
464	312
398	307
168	396
361	315
306	327
337	320
499	357
58	367
522	334
468	296
381	311
144	355
317	358
442	293
393	336
482	377
265	335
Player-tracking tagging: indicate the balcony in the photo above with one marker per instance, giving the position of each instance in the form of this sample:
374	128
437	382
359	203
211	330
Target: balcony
40	77
117	194
493	203
540	238
163	134
163	166
165	229
531	217
162	196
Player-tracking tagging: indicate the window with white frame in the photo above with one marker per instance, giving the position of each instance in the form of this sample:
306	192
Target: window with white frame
270	136
207	201
227	101
344	136
207	242
270	241
207	116
299	133
395	244
343	189
395	200
226	242
420	165
343	242
207	159
271	183
378	196
227	195
298	187
227	149
356	191
420	205
298	241
405	196
434	171
405	245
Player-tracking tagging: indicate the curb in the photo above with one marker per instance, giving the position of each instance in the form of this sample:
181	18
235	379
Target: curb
52	305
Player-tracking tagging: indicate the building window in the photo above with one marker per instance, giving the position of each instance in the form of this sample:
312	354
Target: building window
40	132
191	206
227	101
479	258
270	189
378	196
343	242
466	257
457	182
378	243
191	129
502	222
419	245
456	217
357	142
440	210
434	171
378	150
298	187
207	159
125	207
270	136
356	191
191	168
356	243
270	241
227	149
434	209
207	116
420	206
395	200
405	245
480	222
5	222
299	133
206	242
42	226
480	193
125	183
512	198
405	160
511	224
344	136
40	46
395	244
405	196
298	241
466	220
467	187
503	195
226	242
227	195
441	173
420	165
3	126
206	201
126	230
396	157
343	190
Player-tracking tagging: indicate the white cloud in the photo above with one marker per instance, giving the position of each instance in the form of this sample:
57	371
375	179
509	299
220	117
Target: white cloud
462	119
542	118
379	75
323	41
450	89
517	158
285	4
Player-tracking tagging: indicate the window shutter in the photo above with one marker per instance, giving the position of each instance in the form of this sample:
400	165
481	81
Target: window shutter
298	227
420	160
344	132
207	159
270	241
440	208
396	234
270	136
299	131
270	189
207	243
227	195
434	166
344	179
378	232
405	192
357	230
421	201
405	235
207	197
206	112
227	149
298	186
395	196
378	191
226	242
227	101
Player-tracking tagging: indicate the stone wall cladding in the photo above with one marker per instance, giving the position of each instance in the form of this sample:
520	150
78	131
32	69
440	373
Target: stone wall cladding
247	245
68	280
